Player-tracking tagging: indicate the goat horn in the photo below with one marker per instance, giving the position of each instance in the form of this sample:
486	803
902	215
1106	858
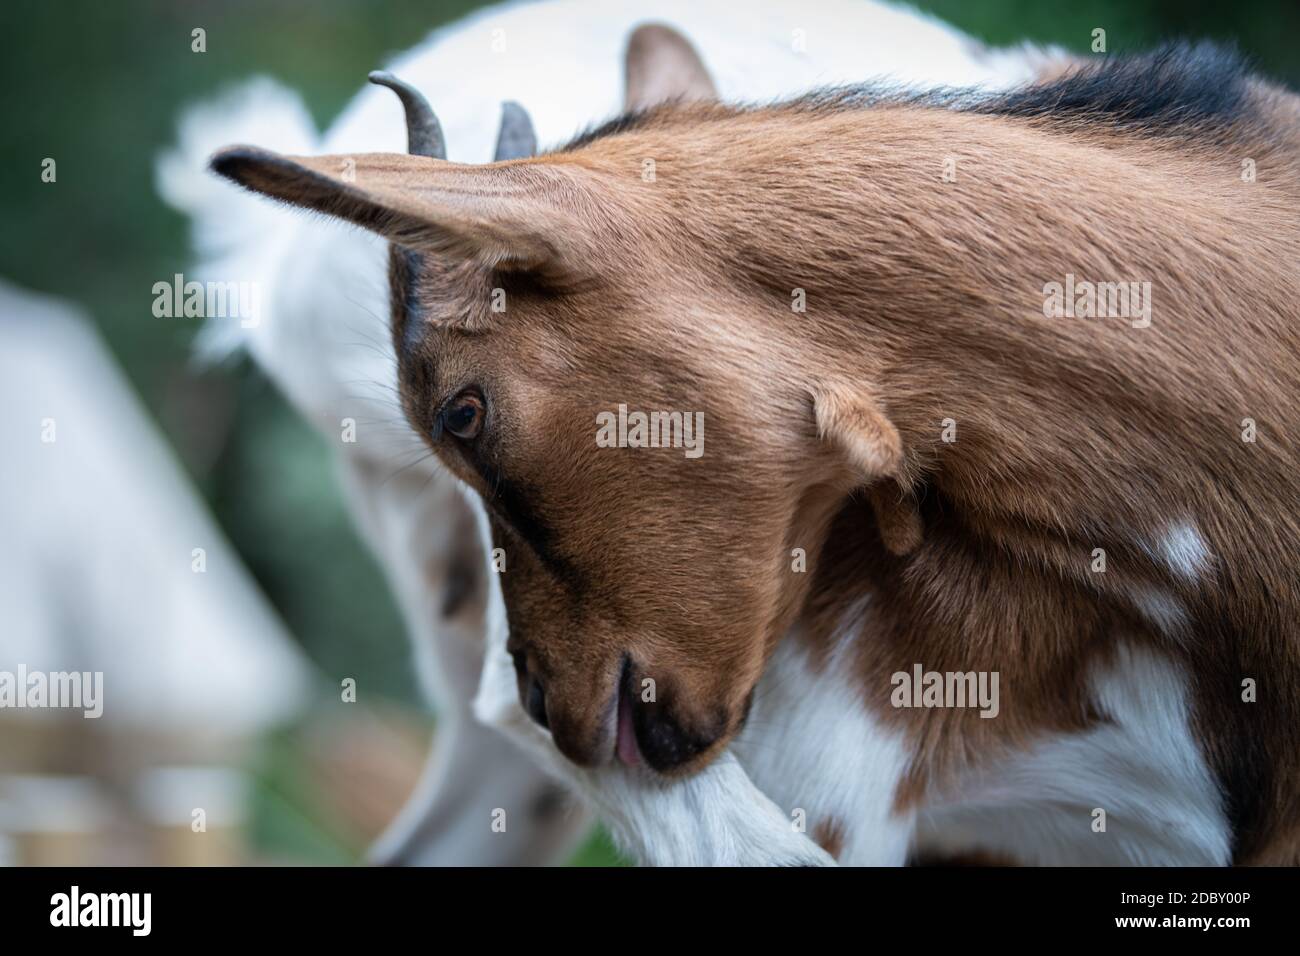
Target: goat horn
423	132
516	139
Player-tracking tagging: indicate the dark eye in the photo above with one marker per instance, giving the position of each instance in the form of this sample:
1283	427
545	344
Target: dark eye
463	417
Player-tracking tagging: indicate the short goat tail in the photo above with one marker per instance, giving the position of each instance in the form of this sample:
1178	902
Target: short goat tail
236	235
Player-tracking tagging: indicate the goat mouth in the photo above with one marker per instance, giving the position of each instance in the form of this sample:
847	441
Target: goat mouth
625	745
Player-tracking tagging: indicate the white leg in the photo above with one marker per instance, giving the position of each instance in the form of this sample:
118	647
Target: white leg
427	541
481	801
812	746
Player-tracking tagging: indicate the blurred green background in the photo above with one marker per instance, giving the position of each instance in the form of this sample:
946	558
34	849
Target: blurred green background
99	86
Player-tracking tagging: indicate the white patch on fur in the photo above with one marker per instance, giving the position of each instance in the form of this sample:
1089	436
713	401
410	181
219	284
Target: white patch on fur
1184	551
812	745
1162	609
1144	768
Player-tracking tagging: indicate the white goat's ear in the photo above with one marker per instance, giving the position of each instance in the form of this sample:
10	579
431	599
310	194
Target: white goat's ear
662	65
858	429
501	215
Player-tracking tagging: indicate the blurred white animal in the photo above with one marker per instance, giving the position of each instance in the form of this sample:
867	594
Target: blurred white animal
103	536
323	337
110	565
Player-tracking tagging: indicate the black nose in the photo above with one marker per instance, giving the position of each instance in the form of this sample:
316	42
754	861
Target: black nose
535	703
664	742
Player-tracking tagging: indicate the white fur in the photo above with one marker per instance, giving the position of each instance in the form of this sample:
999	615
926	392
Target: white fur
1162	609
1184	551
1144	768
812	746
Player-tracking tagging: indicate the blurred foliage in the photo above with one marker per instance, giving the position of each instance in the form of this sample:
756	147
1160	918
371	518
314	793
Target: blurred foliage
99	86
1264	29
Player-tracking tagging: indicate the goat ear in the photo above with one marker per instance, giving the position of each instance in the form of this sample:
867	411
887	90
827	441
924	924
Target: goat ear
856	426
500	215
662	65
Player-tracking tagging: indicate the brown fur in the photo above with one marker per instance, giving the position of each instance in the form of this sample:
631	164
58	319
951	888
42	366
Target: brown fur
660	66
924	303
829	835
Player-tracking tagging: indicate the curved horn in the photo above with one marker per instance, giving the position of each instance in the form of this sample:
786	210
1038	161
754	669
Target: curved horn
423	132
516	139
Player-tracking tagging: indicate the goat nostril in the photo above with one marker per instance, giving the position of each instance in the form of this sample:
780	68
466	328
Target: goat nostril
665	743
536	704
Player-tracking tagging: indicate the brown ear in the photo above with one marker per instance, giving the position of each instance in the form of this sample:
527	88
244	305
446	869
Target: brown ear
499	215
857	427
662	65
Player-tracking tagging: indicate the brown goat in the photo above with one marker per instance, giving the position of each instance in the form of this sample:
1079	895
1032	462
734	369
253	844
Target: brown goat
1002	452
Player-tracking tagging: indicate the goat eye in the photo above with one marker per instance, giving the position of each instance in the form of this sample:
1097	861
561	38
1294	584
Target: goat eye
464	416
